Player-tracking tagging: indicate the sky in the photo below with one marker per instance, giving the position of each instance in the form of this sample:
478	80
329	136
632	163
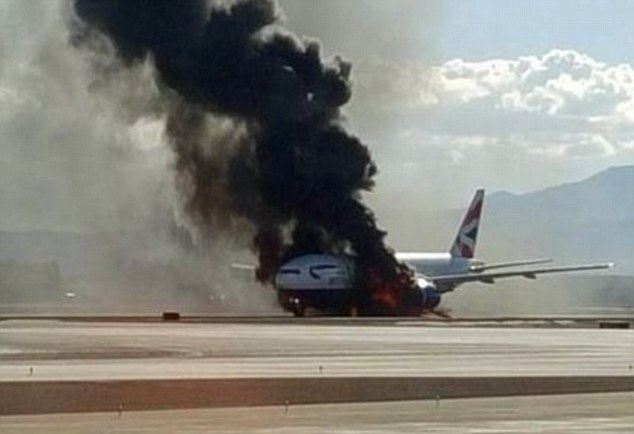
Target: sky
458	94
449	95
483	29
469	29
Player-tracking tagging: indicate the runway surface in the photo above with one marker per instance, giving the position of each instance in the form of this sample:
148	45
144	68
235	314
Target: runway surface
54	350
579	414
51	366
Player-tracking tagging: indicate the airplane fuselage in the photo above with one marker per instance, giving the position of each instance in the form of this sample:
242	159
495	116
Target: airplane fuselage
323	282
326	283
438	264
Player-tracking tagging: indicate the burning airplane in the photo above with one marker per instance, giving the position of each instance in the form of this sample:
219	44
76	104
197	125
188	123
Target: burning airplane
286	166
328	283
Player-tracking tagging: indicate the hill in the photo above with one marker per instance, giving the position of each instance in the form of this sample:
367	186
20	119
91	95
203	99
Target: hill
590	220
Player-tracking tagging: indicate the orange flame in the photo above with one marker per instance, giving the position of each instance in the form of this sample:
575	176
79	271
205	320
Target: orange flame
389	294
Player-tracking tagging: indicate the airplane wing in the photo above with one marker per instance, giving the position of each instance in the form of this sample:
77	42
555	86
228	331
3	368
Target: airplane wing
243	267
448	283
241	271
496	265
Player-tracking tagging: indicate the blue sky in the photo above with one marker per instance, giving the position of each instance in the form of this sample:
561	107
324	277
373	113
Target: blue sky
481	29
469	29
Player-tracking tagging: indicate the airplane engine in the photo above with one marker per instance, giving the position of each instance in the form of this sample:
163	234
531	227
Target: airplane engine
431	298
421	299
430	295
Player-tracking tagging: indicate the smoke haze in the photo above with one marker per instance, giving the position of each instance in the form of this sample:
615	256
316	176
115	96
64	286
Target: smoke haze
286	164
85	181
67	163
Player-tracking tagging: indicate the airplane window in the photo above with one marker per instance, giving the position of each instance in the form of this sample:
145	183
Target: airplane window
289	271
313	270
323	267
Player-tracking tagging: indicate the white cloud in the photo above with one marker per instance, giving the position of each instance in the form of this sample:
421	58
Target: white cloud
575	146
514	124
559	83
562	104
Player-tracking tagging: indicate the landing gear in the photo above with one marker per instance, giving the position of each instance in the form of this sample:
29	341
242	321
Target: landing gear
353	312
297	307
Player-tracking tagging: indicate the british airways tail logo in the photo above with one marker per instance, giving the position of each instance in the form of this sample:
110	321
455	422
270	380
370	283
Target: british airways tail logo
464	245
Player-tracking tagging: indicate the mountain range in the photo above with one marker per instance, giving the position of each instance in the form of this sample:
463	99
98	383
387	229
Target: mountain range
590	220
587	221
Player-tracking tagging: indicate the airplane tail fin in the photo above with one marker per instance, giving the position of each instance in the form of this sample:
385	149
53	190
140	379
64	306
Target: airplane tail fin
465	242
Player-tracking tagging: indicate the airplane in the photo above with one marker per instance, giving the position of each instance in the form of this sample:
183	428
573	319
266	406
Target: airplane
325	282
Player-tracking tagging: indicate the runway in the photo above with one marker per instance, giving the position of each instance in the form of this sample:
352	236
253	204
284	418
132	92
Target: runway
50	366
112	351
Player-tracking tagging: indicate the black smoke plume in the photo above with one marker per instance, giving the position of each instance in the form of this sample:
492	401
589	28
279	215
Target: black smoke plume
286	164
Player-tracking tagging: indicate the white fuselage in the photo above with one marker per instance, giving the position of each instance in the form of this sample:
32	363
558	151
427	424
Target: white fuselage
321	281
437	264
